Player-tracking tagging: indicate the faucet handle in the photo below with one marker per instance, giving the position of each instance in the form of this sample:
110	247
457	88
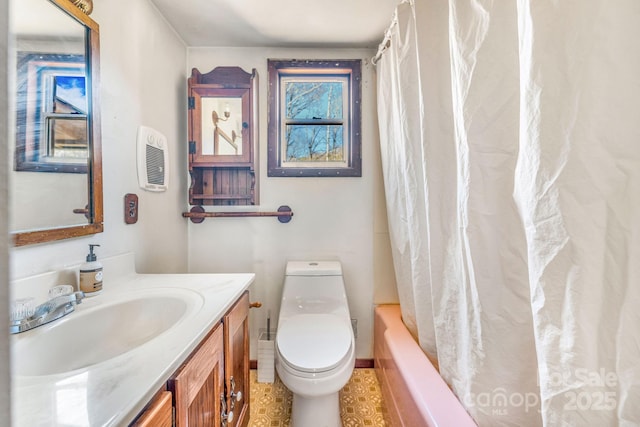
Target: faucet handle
21	309
79	296
60	290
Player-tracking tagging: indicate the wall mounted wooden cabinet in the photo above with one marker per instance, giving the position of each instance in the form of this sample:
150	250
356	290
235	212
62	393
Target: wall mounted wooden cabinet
223	137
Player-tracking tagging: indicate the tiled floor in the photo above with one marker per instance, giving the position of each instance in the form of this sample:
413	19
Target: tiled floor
360	402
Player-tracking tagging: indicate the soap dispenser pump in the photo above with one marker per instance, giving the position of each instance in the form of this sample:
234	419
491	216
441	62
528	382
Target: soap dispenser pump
91	274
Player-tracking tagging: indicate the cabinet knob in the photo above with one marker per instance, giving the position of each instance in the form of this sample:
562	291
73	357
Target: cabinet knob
255	304
225	417
235	396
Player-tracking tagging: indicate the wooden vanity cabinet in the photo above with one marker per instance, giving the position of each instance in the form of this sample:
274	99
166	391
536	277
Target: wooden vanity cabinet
198	387
214	382
236	362
159	413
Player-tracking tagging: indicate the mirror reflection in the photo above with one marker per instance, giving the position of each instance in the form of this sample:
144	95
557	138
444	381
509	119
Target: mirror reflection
52	155
51	110
221	126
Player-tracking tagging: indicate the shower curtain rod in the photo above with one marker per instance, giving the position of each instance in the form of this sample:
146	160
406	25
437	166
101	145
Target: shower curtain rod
384	45
386	41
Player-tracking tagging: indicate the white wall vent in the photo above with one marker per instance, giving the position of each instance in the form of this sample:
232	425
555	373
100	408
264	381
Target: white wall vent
153	160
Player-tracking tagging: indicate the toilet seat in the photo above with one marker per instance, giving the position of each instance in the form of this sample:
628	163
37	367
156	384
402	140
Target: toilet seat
314	343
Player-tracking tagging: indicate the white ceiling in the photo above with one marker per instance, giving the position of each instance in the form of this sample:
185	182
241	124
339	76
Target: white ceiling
279	23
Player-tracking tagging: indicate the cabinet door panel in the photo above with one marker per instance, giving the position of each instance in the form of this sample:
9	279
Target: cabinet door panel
159	413
236	338
199	384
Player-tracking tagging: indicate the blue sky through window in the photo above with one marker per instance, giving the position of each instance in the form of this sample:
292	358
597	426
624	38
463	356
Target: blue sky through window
72	91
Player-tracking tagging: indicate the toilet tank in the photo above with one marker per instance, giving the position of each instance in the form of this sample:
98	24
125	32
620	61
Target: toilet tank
313	268
313	287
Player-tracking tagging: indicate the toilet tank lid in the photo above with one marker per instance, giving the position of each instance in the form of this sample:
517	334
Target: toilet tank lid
314	268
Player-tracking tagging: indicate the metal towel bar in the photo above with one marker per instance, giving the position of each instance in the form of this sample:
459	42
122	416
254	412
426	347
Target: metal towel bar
197	214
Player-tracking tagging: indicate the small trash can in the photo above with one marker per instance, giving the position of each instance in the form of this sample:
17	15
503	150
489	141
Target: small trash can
266	357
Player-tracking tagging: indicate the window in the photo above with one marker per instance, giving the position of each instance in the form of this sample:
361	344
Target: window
65	117
314	118
52	112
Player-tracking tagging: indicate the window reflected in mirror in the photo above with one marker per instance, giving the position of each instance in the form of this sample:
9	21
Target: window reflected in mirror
51	113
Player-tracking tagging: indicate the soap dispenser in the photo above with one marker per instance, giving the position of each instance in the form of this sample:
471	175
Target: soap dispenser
91	274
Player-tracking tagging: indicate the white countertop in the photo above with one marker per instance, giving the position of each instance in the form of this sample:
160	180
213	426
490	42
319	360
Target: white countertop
113	392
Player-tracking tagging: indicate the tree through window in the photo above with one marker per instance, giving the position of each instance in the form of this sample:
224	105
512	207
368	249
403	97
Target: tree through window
314	118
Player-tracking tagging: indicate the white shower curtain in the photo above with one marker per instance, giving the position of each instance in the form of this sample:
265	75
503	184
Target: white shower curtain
510	141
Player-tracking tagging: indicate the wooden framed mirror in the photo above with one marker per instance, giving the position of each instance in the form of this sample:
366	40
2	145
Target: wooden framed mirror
56	178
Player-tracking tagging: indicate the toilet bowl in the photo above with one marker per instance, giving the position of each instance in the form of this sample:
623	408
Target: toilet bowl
315	345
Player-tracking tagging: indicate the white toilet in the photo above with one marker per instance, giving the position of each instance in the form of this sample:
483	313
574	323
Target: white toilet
315	346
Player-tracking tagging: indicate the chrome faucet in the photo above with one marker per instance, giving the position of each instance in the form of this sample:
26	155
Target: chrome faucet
47	312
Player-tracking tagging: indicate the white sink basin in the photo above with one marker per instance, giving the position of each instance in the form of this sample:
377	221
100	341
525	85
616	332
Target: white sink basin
90	336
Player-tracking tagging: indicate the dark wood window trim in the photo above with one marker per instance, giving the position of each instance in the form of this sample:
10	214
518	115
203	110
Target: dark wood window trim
352	70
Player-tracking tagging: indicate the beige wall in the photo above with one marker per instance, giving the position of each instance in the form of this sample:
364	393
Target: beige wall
142	83
334	218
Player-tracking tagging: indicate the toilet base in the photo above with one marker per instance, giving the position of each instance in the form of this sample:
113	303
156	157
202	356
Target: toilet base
317	411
